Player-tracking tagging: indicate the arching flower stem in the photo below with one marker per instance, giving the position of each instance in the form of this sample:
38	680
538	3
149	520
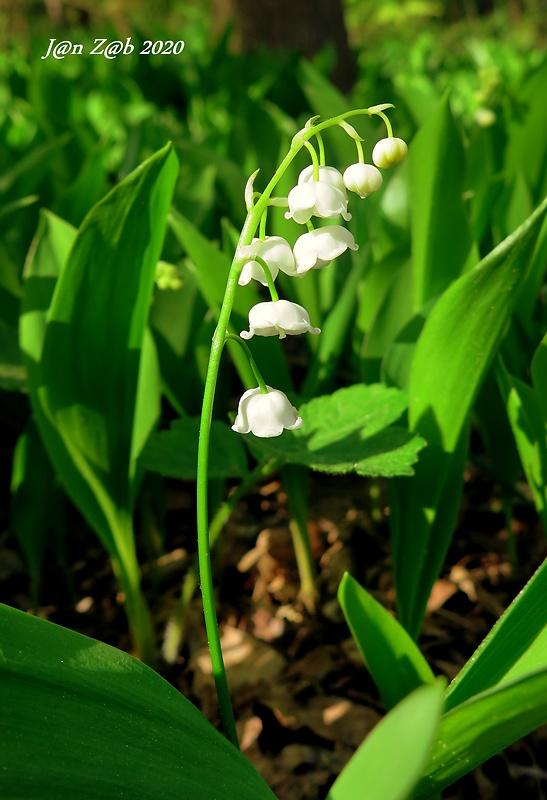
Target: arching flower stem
315	160
256	372
268	274
250	226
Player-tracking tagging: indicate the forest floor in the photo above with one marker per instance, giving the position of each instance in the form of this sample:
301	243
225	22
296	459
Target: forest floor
303	699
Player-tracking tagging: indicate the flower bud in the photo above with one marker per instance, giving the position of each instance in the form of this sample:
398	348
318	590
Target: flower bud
388	152
278	318
266	415
363	179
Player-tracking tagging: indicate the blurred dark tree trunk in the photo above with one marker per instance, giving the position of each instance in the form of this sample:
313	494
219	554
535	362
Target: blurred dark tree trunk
303	25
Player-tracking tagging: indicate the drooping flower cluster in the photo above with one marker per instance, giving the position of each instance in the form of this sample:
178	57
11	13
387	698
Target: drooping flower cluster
321	192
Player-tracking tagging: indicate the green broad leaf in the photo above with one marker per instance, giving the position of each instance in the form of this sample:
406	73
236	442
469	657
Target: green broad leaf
454	352
390	761
32	490
491	416
230	175
175	318
48	254
441	234
148	401
481	727
539	376
524	411
348	431
516	645
399	356
12	373
10	289
335	329
82	719
393	659
173	453
89	370
419	93
526	132
34	162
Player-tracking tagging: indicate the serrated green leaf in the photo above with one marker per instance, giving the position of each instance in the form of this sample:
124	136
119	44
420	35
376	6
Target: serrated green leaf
348	431
82	719
174	452
393	659
407	733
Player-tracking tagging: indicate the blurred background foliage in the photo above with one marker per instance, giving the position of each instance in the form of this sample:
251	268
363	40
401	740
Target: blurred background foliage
71	129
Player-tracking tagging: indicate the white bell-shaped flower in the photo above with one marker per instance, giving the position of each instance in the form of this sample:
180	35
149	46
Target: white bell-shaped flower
388	152
325	198
363	179
266	415
317	248
278	318
329	175
277	254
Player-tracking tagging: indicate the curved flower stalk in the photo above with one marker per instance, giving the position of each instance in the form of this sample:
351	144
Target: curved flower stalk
264	411
266	415
316	249
329	175
279	318
277	254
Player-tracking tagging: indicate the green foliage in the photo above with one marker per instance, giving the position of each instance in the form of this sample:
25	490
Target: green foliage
483	726
453	353
408	730
443	303
392	657
100	723
174	452
349	431
93	374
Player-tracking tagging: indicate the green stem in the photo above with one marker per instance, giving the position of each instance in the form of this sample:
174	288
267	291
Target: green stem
127	571
219	337
256	372
250	227
321	147
387	123
174	634
263	220
295	481
269	279
315	160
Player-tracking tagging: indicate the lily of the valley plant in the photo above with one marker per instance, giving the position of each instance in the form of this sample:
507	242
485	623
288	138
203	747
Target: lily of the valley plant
321	192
